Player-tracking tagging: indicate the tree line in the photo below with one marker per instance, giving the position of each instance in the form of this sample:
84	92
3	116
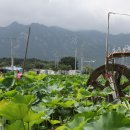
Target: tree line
65	63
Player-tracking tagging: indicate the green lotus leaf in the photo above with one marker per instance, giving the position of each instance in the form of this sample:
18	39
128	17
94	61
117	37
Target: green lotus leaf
79	121
51	101
25	99
7	82
46	111
13	111
53	122
54	88
33	118
17	125
10	93
62	128
110	121
66	104
41	76
82	109
34	77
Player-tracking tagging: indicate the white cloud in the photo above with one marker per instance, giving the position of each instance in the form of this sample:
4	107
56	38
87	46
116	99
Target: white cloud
71	14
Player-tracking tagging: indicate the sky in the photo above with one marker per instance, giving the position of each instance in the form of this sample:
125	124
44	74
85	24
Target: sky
69	14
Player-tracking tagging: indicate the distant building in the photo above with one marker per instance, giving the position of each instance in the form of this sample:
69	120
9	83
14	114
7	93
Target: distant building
41	71
52	72
73	72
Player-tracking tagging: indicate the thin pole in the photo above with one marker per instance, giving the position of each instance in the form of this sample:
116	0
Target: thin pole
26	49
81	65
107	37
12	54
74	40
76	58
12	60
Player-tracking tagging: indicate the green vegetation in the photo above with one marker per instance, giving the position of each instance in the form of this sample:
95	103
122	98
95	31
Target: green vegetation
66	63
87	69
30	63
59	102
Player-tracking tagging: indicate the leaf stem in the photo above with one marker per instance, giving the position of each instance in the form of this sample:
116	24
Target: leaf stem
28	125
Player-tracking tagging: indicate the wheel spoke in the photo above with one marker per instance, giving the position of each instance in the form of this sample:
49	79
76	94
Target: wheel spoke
107	83
103	75
125	84
121	87
117	78
96	84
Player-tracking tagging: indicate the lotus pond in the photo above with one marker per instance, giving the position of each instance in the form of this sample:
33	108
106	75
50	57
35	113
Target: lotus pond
58	102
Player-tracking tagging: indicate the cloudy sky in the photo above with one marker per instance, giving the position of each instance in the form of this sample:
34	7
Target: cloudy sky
70	14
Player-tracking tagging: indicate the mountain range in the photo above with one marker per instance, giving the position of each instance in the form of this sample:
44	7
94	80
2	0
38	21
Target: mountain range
53	43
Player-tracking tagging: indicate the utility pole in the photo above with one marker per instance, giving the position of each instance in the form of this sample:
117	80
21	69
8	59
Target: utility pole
74	41
81	69
11	52
12	58
76	57
26	49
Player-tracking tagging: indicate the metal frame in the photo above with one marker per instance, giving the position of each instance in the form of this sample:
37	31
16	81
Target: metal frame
109	56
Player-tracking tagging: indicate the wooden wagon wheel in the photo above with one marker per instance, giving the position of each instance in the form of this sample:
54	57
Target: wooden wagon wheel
116	73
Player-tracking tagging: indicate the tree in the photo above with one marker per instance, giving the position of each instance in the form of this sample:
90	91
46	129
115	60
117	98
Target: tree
64	67
69	61
87	69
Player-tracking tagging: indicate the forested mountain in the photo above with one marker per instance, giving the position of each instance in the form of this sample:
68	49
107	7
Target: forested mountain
52	43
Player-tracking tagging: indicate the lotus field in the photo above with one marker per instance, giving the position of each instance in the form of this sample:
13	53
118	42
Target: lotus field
58	102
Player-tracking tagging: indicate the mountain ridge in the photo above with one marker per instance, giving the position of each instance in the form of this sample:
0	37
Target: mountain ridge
53	43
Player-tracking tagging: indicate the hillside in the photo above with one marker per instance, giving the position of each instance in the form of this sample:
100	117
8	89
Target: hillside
52	43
